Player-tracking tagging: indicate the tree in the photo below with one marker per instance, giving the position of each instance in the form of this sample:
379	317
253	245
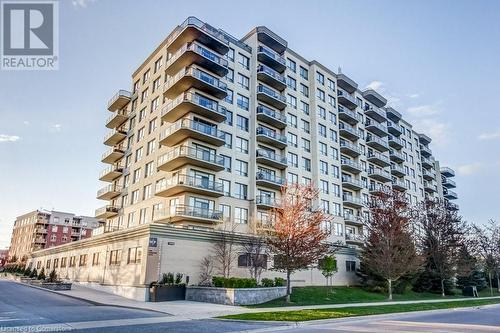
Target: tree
328	267
256	250
52	276
41	275
223	249
486	244
206	271
389	250
442	235
298	238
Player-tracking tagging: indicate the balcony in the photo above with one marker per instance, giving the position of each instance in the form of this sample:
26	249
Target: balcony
345	99
349	132
399	185
111	173
377	143
352	219
346	83
107	212
352	183
192	77
424	139
427	163
188	128
271	97
113	155
42	231
378	159
267	202
352	201
195	53
271	137
192	102
380	175
271	159
394	129
75	234
179	184
450	195
397	170
115	137
40	240
396	156
350	166
375	113
376	189
452	206
193	29
374	97
119	101
187	214
395	142
269	38
179	156
271	77
109	192
269	180
376	128
425	151
449	183
354	239
392	114
447	172
116	119
271	117
430	187
271	58
350	149
350	117
428	175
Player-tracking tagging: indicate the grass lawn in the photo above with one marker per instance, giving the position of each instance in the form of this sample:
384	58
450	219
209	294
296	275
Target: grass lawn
316	314
342	295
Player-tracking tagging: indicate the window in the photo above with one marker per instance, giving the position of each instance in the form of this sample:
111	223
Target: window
229	118
227	162
322	130
145	77
293	160
47	264
134	255
331	100
306	126
350	266
151	147
291	65
228	139
72	261
292	101
254	260
323	167
154	104
323	149
138	154
83	260
304	107
229	97
226	187
63	262
54	228
95	259
292	178
292	120
148	169
306	145
140	134
291	83
137	176
304	73
242	102
240	215
134	198
304	90
320	94
322	112
242	123
241	168
147	192
243	81
331	85
292	139
152	126
56	263
115	257
306	164
230	75
143	213
320	78
243	61
158	64
324	187
240	191
242	145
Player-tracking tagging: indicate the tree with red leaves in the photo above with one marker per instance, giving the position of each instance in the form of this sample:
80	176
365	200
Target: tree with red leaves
298	238
389	250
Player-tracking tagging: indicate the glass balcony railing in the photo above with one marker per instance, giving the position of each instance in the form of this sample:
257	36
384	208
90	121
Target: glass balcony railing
261	109
271	92
346	95
121	94
196	48
272	54
192	125
375	139
191	152
271	134
378	172
353	199
109	188
353	181
351	146
191	181
196	99
193	21
351	164
271	156
198	74
267	200
272	73
374	154
269	177
350	129
189	211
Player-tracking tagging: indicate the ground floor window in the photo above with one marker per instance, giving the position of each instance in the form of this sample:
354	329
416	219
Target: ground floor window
350	266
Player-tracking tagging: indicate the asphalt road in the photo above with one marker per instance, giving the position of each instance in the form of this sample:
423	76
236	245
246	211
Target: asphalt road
26	309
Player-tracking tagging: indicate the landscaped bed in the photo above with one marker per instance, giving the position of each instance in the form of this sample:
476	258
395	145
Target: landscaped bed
317	314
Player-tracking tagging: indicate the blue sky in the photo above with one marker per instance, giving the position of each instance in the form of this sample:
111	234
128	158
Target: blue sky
436	61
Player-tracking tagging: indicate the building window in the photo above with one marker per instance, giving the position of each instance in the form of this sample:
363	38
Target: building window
72	261
240	215
241	168
95	259
245	260
243	102
240	191
243	81
230	75
242	145
350	266
291	65
63	262
47	264
242	123
304	73
134	255
291	83
244	61
230	54
229	97
320	78
115	257
83	260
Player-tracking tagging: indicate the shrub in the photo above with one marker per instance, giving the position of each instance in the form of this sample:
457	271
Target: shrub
178	278
233	282
41	275
167	278
279	282
34	274
267	282
27	272
52	276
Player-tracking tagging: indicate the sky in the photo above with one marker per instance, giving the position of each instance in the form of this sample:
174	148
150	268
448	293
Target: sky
435	61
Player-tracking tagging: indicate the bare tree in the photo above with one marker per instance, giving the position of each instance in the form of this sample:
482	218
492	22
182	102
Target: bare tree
223	249
389	250
256	250
298	238
206	271
441	239
486	244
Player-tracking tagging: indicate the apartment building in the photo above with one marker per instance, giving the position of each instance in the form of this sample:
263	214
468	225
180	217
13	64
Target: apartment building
41	229
214	126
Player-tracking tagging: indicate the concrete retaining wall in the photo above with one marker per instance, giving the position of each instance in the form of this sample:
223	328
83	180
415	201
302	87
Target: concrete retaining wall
234	296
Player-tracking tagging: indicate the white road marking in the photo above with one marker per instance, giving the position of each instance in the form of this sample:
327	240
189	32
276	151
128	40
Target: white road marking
473	327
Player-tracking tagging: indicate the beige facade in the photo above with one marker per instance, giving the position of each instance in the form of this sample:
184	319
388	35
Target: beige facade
215	125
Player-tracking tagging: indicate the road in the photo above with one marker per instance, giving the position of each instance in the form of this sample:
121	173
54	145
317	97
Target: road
26	309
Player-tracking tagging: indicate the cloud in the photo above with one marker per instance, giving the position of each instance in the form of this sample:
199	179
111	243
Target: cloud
26	122
436	130
413	95
489	136
393	101
469	169
424	110
81	3
376	85
8	138
56	128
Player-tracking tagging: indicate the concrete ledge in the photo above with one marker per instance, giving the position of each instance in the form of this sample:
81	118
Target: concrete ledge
234	296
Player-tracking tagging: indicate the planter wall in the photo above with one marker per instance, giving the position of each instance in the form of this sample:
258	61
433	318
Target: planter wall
234	296
55	286
162	293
